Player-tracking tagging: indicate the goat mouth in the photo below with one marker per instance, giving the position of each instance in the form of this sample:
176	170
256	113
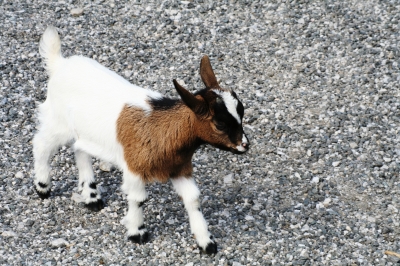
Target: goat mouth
235	151
231	149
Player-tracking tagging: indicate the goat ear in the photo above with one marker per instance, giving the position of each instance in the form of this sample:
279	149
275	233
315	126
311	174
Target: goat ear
196	105
207	73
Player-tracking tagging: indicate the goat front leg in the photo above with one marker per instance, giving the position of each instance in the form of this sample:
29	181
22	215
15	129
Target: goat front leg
135	190
188	190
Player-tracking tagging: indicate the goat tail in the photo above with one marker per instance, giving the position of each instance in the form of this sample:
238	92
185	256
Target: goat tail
50	49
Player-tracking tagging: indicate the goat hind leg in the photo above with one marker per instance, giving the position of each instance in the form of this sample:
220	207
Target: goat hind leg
90	193
45	143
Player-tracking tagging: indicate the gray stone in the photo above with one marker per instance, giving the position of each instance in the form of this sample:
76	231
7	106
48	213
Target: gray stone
76	12
228	179
9	234
59	242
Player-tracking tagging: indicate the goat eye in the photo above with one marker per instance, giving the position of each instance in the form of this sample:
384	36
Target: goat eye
220	126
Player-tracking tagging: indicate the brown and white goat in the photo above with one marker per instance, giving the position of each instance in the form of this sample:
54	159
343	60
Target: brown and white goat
148	136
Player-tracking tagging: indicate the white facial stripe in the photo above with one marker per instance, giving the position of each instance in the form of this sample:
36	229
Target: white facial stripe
230	103
244	139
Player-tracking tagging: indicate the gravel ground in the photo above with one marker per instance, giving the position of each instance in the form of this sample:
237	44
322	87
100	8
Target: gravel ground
320	84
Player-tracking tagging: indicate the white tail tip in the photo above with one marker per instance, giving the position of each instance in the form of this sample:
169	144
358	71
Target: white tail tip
50	48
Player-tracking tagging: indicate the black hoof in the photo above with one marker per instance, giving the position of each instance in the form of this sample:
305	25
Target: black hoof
211	248
139	238
95	205
42	195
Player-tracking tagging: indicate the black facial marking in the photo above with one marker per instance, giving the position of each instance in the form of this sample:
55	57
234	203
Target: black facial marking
225	122
93	195
93	185
163	104
240	109
42	185
142	227
83	183
234	95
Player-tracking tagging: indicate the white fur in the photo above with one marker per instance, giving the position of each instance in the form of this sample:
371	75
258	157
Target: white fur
187	189
230	103
133	187
50	48
86	177
84	101
135	190
133	219
49	137
89	98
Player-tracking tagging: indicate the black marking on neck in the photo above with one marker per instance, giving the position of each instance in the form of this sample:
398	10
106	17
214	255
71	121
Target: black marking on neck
164	103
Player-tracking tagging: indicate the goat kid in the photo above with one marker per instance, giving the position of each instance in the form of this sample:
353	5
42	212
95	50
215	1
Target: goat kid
148	136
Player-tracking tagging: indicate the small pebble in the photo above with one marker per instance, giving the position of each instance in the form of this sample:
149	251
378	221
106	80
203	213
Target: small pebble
76	12
9	234
228	179
104	166
19	175
59	242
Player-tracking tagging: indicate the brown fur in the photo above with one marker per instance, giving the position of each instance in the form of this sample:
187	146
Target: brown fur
160	145
207	73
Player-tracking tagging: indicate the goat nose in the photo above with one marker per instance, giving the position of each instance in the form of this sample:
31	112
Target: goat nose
245	145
